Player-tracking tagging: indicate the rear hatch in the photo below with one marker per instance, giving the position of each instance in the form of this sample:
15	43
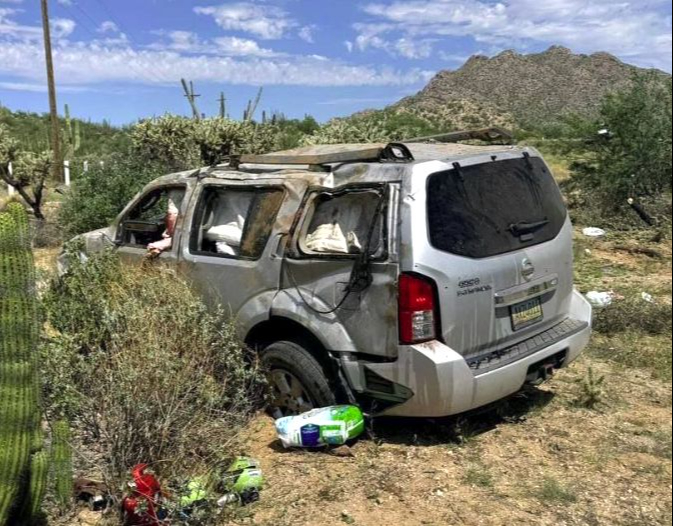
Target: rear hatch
499	248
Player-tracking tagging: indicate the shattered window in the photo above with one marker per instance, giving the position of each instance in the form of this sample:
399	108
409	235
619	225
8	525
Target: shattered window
235	222
154	218
344	224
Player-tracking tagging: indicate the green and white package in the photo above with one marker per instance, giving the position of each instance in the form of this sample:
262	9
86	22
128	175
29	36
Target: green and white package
329	426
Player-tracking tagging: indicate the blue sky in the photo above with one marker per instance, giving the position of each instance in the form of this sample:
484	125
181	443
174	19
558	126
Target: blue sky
122	60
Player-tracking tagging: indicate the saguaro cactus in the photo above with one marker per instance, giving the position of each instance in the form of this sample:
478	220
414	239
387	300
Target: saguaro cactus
62	459
72	135
20	435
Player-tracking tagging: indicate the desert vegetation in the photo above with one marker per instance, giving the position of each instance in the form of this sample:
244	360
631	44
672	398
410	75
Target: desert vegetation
135	368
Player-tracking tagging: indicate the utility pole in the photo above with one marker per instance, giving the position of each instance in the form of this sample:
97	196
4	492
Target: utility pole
223	106
57	167
191	97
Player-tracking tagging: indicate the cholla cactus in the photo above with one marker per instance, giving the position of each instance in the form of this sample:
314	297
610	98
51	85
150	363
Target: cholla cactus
20	436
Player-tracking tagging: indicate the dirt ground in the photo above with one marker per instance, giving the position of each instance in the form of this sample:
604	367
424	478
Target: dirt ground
537	459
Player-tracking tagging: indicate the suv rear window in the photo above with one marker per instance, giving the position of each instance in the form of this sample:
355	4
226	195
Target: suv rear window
493	208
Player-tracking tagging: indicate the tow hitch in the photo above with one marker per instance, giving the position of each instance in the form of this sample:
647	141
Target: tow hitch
542	371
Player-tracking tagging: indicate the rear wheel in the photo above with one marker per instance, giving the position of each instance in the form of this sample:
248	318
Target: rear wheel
298	382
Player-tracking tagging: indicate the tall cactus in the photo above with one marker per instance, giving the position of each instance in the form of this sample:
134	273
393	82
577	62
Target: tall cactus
73	137
62	459
20	434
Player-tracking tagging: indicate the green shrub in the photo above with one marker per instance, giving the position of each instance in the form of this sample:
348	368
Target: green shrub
180	144
634	314
145	369
374	127
591	390
100	194
634	158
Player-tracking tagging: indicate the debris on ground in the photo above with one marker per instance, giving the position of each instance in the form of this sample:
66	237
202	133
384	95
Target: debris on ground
600	299
92	493
243	482
329	426
648	297
594	232
142	507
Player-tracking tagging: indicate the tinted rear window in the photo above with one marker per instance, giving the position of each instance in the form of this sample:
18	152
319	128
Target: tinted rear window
494	208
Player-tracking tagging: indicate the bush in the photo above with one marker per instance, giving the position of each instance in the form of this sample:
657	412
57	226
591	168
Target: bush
179	144
374	127
634	158
634	314
99	195
144	370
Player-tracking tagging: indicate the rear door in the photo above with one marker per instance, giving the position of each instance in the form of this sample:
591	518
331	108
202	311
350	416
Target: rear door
494	234
328	274
232	248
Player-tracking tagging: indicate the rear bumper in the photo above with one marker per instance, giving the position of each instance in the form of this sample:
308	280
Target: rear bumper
444	384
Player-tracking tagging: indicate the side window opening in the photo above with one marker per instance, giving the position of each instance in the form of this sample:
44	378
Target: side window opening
341	224
235	223
154	218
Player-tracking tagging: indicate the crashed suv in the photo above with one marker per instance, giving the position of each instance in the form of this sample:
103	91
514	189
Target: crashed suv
417	279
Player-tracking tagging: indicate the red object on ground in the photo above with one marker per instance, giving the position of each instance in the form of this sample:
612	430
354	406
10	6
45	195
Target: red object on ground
140	508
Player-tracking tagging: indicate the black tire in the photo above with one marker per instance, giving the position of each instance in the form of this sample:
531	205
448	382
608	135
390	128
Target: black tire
291	369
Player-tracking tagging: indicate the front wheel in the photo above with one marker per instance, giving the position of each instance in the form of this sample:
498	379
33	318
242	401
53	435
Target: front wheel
298	382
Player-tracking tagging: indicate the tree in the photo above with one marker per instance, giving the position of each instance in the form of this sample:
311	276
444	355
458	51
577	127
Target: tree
29	171
631	156
181	144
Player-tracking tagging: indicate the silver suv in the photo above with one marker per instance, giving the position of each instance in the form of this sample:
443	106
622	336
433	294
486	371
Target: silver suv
413	279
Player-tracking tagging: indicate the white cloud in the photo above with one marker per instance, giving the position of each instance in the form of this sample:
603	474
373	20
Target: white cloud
108	27
241	47
109	62
634	30
62	27
264	21
306	34
39	88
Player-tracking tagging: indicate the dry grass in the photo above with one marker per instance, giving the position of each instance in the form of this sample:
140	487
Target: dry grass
540	459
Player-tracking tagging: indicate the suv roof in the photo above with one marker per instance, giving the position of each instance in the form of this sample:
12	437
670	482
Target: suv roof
312	163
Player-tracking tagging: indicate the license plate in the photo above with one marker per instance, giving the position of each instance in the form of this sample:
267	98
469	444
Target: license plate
526	313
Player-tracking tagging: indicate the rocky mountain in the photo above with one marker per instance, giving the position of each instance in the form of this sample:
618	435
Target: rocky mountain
513	88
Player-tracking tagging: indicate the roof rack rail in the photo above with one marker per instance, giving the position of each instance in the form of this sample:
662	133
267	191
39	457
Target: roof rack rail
323	155
485	134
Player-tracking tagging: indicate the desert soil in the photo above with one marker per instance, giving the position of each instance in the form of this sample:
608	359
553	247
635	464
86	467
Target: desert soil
537	459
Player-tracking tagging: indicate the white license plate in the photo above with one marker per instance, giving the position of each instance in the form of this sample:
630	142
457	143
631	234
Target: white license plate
526	313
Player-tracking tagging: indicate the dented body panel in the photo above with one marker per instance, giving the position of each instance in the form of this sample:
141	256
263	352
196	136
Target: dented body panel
475	358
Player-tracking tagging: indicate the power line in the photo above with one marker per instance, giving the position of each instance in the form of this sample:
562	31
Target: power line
147	75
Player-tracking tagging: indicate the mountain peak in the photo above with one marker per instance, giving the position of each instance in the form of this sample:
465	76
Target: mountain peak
520	88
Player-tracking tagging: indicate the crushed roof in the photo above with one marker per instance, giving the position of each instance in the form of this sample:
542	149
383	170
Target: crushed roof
338	174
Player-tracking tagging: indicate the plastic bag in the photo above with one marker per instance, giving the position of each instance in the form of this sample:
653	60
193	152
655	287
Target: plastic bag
329	426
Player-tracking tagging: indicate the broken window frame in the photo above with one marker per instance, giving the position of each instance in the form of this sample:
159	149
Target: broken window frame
200	208
308	207
121	231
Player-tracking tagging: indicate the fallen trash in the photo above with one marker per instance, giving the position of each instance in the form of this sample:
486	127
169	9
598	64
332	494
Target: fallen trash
600	299
329	426
142	506
648	297
95	494
594	232
196	493
243	482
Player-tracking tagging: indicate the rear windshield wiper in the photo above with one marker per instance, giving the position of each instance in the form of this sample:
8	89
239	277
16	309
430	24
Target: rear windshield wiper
523	227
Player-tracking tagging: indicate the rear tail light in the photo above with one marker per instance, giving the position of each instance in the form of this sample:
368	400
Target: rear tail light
417	309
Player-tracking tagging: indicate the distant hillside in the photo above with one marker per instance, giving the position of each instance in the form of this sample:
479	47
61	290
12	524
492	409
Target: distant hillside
32	131
515	89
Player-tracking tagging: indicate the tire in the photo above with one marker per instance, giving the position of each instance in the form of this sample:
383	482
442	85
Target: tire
298	382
